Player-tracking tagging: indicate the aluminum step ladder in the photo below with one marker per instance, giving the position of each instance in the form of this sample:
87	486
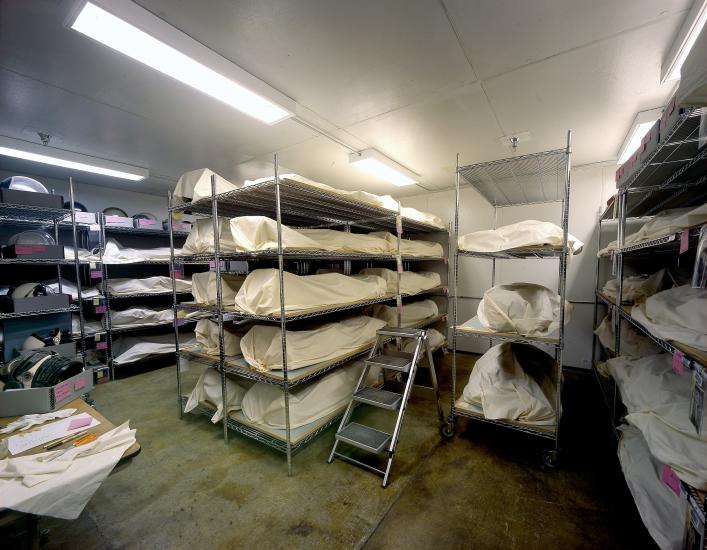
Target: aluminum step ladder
370	439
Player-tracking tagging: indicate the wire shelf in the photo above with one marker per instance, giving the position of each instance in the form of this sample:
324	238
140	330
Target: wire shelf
20	314
523	180
516	253
39	261
664	244
507	337
24	213
148	295
145	232
135	328
300	255
538	431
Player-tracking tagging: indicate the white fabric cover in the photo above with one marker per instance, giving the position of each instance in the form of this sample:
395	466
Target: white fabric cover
411	313
204	287
148	285
661	510
425	217
196	184
68	287
658	403
409	247
664	223
201	237
633	344
262	345
89	327
129	349
410	282
206	332
140	316
514	382
208	390
265	403
115	253
678	314
635	288
523	308
260	293
518	235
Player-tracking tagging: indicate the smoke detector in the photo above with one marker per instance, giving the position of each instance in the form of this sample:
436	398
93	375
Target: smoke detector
513	141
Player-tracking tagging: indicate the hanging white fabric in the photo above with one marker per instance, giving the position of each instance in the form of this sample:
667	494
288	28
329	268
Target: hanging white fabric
196	185
633	344
260	293
206	332
635	288
262	345
514	382
205	292
409	247
208	390
528	233
411	282
149	285
412	313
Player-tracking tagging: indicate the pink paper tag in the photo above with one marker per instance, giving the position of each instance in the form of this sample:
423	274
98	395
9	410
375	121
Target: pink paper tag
62	391
100	309
113	218
684	241
668	477
22	249
677	362
79	422
79	384
142	223
101	345
212	264
178	274
96	274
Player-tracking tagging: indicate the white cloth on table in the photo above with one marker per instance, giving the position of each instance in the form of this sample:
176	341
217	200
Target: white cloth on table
679	314
68	287
633	344
409	247
27	421
208	390
661	510
149	285
206	332
196	184
204	287
201	238
635	288
115	253
62	487
262	345
129	349
514	381
523	308
411	313
411	282
265	403
260	293
528	233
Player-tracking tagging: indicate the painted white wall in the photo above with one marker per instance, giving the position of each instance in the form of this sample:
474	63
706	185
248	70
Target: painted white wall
591	186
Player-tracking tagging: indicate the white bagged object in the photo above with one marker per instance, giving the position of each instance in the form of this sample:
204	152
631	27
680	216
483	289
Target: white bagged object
196	185
201	237
678	314
206	332
260	293
523	308
410	282
514	382
411	313
69	287
633	344
523	234
409	247
434	337
129	349
262	345
636	288
661	510
114	253
204	288
208	390
140	316
148	285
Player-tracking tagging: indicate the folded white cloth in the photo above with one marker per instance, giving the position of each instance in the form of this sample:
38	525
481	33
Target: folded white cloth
260	293
678	314
514	382
411	313
204	288
149	285
208	390
201	238
410	282
206	332
633	344
523	308
409	247
114	253
129	349
262	345
661	510
25	422
518	235
196	185
635	288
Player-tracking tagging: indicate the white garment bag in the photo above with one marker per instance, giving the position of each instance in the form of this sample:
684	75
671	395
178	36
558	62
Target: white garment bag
635	288
208	390
633	344
411	282
201	238
206	332
204	288
411	313
148	285
409	247
196	185
528	233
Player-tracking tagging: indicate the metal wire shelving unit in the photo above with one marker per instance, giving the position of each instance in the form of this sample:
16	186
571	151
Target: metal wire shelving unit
516	181
297	205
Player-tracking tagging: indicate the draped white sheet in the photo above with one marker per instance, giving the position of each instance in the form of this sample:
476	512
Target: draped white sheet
204	287
410	247
208	390
143	316
69	287
262	345
206	332
129	349
411	313
115	253
518	235
410	282
514	382
633	344
678	314
201	237
661	510
149	285
635	288
196	184
260	293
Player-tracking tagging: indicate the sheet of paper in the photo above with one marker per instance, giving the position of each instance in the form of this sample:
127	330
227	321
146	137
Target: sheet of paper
22	442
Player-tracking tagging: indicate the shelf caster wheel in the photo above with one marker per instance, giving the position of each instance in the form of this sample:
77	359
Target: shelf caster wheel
550	459
447	430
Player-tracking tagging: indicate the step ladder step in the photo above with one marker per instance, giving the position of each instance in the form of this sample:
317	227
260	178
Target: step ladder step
363	437
392	362
378	398
401	332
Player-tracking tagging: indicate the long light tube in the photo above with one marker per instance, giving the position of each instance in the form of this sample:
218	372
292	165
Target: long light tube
382	167
641	124
693	25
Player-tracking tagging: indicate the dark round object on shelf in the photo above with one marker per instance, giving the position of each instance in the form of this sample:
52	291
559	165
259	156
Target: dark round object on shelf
145	216
115	211
78	207
23	183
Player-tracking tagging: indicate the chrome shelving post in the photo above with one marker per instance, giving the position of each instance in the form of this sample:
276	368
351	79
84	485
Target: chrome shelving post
174	303
453	256
77	271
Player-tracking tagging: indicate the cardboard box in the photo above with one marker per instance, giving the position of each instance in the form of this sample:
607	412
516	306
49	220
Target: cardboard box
28	198
35	303
147	224
46	251
44	400
86	218
177	226
119	221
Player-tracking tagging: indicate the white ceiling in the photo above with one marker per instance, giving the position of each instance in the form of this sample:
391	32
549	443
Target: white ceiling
419	80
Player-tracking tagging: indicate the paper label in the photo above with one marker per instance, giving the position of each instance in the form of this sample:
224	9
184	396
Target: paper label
399	262
684	241
96	274
669	477
183	364
212	264
677	362
96	301
399	225
92	265
100	309
177	216
97	337
102	345
79	384
146	223
178	274
62	391
24	249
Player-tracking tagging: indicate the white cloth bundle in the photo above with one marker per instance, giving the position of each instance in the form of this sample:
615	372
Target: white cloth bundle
201	237
140	316
208	390
523	234
206	332
661	510
658	403
409	247
678	314
68	287
114	253
89	327
523	308
514	382
204	288
129	349
633	344
265	403
410	282
196	185
434	337
262	345
411	313
636	288
149	285
260	293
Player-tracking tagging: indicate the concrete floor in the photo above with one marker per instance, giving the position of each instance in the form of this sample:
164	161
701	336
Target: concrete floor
484	489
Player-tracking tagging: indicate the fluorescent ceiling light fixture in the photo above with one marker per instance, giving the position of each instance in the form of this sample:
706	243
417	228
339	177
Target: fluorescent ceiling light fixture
73	161
139	34
641	124
690	30
382	167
